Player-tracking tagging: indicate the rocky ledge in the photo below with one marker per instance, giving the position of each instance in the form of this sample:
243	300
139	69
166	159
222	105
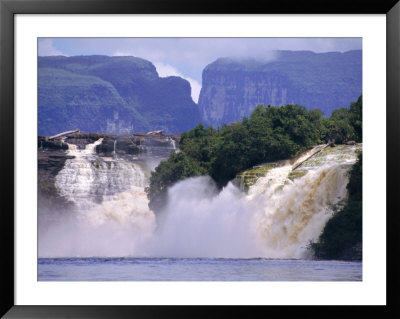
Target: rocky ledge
129	144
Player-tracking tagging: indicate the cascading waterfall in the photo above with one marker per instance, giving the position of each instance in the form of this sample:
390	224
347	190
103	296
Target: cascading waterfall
86	178
278	216
173	144
115	148
291	216
293	213
111	215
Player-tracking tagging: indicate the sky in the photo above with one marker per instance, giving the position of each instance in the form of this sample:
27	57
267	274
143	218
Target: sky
187	57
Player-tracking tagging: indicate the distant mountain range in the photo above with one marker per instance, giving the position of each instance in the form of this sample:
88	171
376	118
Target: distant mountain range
123	95
116	95
232	88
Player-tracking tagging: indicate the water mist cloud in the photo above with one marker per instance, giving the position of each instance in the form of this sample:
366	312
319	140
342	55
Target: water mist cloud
200	222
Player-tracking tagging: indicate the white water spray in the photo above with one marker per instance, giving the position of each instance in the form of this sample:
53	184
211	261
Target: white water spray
111	215
276	218
173	144
115	148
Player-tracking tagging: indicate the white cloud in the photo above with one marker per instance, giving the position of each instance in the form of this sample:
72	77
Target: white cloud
119	53
47	48
165	70
196	87
192	55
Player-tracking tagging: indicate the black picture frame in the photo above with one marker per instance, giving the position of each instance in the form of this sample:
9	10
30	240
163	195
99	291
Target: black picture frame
8	8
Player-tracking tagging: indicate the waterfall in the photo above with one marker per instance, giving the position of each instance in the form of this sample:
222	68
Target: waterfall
277	218
173	144
281	212
72	148
115	147
110	215
87	178
289	216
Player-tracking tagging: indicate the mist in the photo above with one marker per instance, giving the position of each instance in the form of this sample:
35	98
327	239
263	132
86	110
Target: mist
200	222
276	218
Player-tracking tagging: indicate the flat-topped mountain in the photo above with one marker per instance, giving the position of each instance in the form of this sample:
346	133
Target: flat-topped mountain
232	88
118	95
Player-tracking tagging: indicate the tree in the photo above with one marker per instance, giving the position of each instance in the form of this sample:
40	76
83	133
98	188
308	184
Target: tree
178	167
271	133
338	126
355	118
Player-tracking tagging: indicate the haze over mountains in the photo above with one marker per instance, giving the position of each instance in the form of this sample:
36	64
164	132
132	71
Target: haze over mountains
123	95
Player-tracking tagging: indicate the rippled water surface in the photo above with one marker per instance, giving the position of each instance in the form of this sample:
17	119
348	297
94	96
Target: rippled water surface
196	269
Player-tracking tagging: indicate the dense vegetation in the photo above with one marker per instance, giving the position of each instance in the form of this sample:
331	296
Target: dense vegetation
345	124
271	133
342	234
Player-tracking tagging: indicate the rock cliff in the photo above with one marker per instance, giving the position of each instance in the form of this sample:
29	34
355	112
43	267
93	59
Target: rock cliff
232	88
116	95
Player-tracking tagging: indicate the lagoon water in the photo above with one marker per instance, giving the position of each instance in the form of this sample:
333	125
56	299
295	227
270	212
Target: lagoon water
196	269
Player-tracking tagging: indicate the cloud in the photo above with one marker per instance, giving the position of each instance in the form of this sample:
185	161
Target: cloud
196	88
119	53
187	57
46	48
191	55
165	70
